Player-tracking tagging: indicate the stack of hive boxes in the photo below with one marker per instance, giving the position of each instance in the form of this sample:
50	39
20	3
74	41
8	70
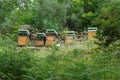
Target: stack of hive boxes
40	39
51	36
92	33
23	37
69	37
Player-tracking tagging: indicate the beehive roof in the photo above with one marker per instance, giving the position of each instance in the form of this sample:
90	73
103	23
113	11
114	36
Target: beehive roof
24	32
52	31
92	28
40	34
70	33
24	27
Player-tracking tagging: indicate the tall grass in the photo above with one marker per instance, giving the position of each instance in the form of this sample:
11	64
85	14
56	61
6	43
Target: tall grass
64	63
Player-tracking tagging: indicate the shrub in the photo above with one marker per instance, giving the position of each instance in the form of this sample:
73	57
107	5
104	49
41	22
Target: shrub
109	24
74	64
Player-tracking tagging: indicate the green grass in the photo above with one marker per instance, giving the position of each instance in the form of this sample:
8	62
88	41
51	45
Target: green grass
85	61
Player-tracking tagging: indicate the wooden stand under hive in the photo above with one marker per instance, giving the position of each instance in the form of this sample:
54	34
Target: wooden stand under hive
23	38
92	33
40	39
51	36
69	37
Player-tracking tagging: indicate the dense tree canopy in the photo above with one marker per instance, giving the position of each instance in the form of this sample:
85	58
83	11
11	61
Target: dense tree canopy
50	14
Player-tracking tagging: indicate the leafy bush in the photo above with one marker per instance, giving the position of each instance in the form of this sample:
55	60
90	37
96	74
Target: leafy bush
109	24
12	61
13	64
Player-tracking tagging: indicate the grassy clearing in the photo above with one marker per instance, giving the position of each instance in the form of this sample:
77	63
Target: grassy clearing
69	62
65	49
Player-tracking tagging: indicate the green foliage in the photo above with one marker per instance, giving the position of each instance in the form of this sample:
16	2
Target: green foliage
81	13
109	23
57	63
75	64
58	14
106	63
50	14
12	61
13	64
12	16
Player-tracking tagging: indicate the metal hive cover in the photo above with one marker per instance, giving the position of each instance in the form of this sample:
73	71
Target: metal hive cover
52	31
24	27
23	32
92	29
70	33
40	34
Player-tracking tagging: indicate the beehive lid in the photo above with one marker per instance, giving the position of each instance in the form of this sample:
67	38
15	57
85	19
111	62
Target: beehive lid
70	33
24	32
40	35
92	29
24	27
52	31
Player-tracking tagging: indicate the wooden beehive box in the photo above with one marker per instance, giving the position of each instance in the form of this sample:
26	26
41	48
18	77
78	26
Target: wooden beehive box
69	37
51	36
40	39
39	43
92	33
23	37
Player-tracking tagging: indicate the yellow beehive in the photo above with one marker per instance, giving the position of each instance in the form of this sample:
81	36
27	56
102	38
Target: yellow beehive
23	38
50	39
39	43
69	37
51	36
92	33
40	39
